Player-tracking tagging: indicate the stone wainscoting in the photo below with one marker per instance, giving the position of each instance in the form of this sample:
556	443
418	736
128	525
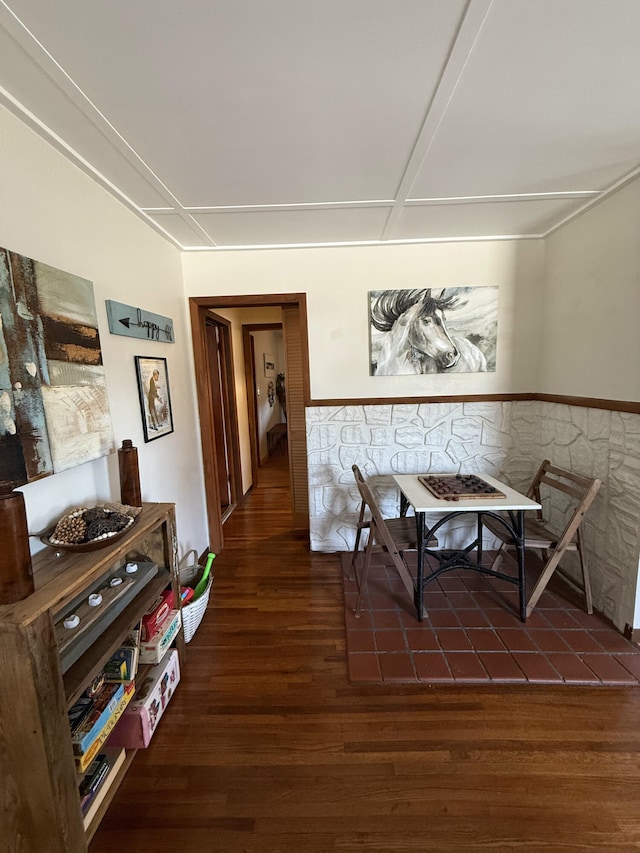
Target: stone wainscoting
507	439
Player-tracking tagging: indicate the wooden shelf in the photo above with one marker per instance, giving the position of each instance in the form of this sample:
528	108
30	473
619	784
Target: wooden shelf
60	579
115	783
37	764
91	662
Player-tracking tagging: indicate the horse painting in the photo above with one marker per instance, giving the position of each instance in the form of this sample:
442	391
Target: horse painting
415	337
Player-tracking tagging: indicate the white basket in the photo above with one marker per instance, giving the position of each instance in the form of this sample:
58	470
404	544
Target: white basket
193	612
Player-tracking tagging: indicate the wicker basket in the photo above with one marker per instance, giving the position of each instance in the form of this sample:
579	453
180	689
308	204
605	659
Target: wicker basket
193	612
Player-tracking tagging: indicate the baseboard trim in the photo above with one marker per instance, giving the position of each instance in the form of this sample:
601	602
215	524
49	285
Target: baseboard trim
632	634
628	406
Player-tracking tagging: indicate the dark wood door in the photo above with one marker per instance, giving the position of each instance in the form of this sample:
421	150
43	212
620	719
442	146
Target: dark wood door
220	413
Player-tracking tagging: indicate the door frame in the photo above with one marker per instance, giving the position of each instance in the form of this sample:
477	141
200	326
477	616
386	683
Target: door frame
199	306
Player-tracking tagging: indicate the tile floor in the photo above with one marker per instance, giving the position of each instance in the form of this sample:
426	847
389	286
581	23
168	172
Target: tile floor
472	634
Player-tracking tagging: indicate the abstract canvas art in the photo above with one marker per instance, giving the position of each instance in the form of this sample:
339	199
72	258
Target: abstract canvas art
54	412
433	330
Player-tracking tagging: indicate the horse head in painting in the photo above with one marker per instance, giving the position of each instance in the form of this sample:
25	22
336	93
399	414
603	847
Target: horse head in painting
417	339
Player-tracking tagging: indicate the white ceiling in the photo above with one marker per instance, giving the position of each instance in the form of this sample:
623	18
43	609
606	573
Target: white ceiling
243	123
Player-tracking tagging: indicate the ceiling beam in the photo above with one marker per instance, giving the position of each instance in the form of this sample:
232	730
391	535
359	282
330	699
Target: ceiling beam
470	27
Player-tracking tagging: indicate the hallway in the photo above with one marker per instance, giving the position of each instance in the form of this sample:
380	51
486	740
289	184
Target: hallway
268	748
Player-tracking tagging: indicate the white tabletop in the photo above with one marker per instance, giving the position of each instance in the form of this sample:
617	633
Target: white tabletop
422	500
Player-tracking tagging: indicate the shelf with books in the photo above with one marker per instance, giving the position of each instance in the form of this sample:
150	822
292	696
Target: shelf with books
123	664
94	814
42	681
89	742
98	779
90	714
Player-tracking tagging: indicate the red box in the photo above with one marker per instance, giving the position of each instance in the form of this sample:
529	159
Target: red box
153	650
156	614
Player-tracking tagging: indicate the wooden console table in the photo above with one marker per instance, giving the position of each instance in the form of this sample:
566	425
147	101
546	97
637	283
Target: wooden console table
41	800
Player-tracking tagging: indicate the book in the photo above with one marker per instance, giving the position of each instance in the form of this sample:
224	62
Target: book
114	761
133	637
92	779
83	761
116	668
123	664
79	712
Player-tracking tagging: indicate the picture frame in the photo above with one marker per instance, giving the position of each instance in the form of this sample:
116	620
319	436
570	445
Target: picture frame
155	399
433	331
269	366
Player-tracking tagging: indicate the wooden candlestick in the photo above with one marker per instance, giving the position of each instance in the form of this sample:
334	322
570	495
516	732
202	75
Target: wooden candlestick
16	574
130	493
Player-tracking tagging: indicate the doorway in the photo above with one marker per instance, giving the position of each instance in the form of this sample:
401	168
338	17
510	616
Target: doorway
294	327
259	444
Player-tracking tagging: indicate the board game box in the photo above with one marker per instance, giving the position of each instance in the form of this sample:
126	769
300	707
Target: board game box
83	761
102	706
153	650
139	722
459	487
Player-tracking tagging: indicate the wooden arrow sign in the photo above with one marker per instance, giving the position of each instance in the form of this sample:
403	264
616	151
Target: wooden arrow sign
136	323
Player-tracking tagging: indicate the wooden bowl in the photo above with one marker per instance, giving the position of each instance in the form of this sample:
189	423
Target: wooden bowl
93	545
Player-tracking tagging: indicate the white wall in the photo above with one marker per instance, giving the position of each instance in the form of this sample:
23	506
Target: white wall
591	348
591	302
52	212
337	281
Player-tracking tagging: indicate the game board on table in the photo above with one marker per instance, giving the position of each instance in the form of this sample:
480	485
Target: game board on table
459	487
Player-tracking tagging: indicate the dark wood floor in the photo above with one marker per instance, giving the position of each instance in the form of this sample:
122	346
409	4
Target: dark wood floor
267	747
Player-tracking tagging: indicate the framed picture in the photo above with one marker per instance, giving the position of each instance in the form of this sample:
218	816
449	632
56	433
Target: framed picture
155	402
269	366
49	328
433	330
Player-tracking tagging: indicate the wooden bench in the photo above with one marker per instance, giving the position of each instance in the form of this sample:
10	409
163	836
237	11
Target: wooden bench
276	436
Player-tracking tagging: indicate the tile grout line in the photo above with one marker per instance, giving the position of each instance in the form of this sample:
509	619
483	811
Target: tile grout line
556	624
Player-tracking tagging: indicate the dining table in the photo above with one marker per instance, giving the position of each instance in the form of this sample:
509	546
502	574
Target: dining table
501	502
